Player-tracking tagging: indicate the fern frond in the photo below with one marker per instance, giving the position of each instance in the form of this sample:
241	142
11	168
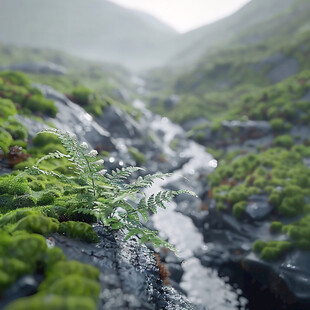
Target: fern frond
54	155
119	175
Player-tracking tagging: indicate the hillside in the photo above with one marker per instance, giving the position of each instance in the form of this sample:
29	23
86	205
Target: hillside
256	22
95	29
222	76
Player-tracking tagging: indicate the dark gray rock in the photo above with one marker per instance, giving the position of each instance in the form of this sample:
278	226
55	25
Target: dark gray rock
176	272
171	102
23	287
284	70
289	279
199	121
73	118
248	129
129	275
258	207
306	97
119	123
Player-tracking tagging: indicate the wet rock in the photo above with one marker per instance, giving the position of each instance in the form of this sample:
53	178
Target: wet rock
248	129
258	207
23	287
73	118
37	67
32	125
284	70
176	272
192	207
295	271
199	121
306	97
289	279
119	123
129	275
171	102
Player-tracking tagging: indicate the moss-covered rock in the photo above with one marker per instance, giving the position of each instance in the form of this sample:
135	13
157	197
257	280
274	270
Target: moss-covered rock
79	230
14	185
239	209
23	201
5	140
16	215
276	227
37	224
73	285
7	108
52	302
284	141
271	250
48	197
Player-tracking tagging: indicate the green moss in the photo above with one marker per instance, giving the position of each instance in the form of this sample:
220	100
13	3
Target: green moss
81	95
52	257
292	205
6	201
275	198
284	141
37	186
137	155
271	250
37	103
258	246
48	197
269	253
23	201
45	139
71	278
299	232
17	130
53	302
73	285
27	247
276	227
7	108
239	209
16	215
220	206
14	185
79	230
278	124
17	78
65	268
37	224
303	244
5	140
11	269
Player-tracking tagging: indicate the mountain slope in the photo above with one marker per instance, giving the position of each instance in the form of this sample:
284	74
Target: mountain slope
95	29
259	56
252	24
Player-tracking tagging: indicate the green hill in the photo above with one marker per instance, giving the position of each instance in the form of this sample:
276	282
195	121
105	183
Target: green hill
217	81
256	22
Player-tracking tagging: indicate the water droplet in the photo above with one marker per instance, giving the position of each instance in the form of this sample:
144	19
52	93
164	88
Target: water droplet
213	163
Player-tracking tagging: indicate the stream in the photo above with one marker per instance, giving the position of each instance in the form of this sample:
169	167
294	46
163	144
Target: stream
203	285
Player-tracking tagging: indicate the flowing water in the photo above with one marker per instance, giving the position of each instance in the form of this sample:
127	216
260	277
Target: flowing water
203	285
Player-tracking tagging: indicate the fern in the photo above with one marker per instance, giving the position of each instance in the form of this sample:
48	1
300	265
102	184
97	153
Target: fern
115	200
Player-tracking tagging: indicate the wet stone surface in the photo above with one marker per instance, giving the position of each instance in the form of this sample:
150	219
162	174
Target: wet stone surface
129	274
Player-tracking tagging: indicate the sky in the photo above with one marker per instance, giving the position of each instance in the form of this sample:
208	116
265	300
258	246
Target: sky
185	15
